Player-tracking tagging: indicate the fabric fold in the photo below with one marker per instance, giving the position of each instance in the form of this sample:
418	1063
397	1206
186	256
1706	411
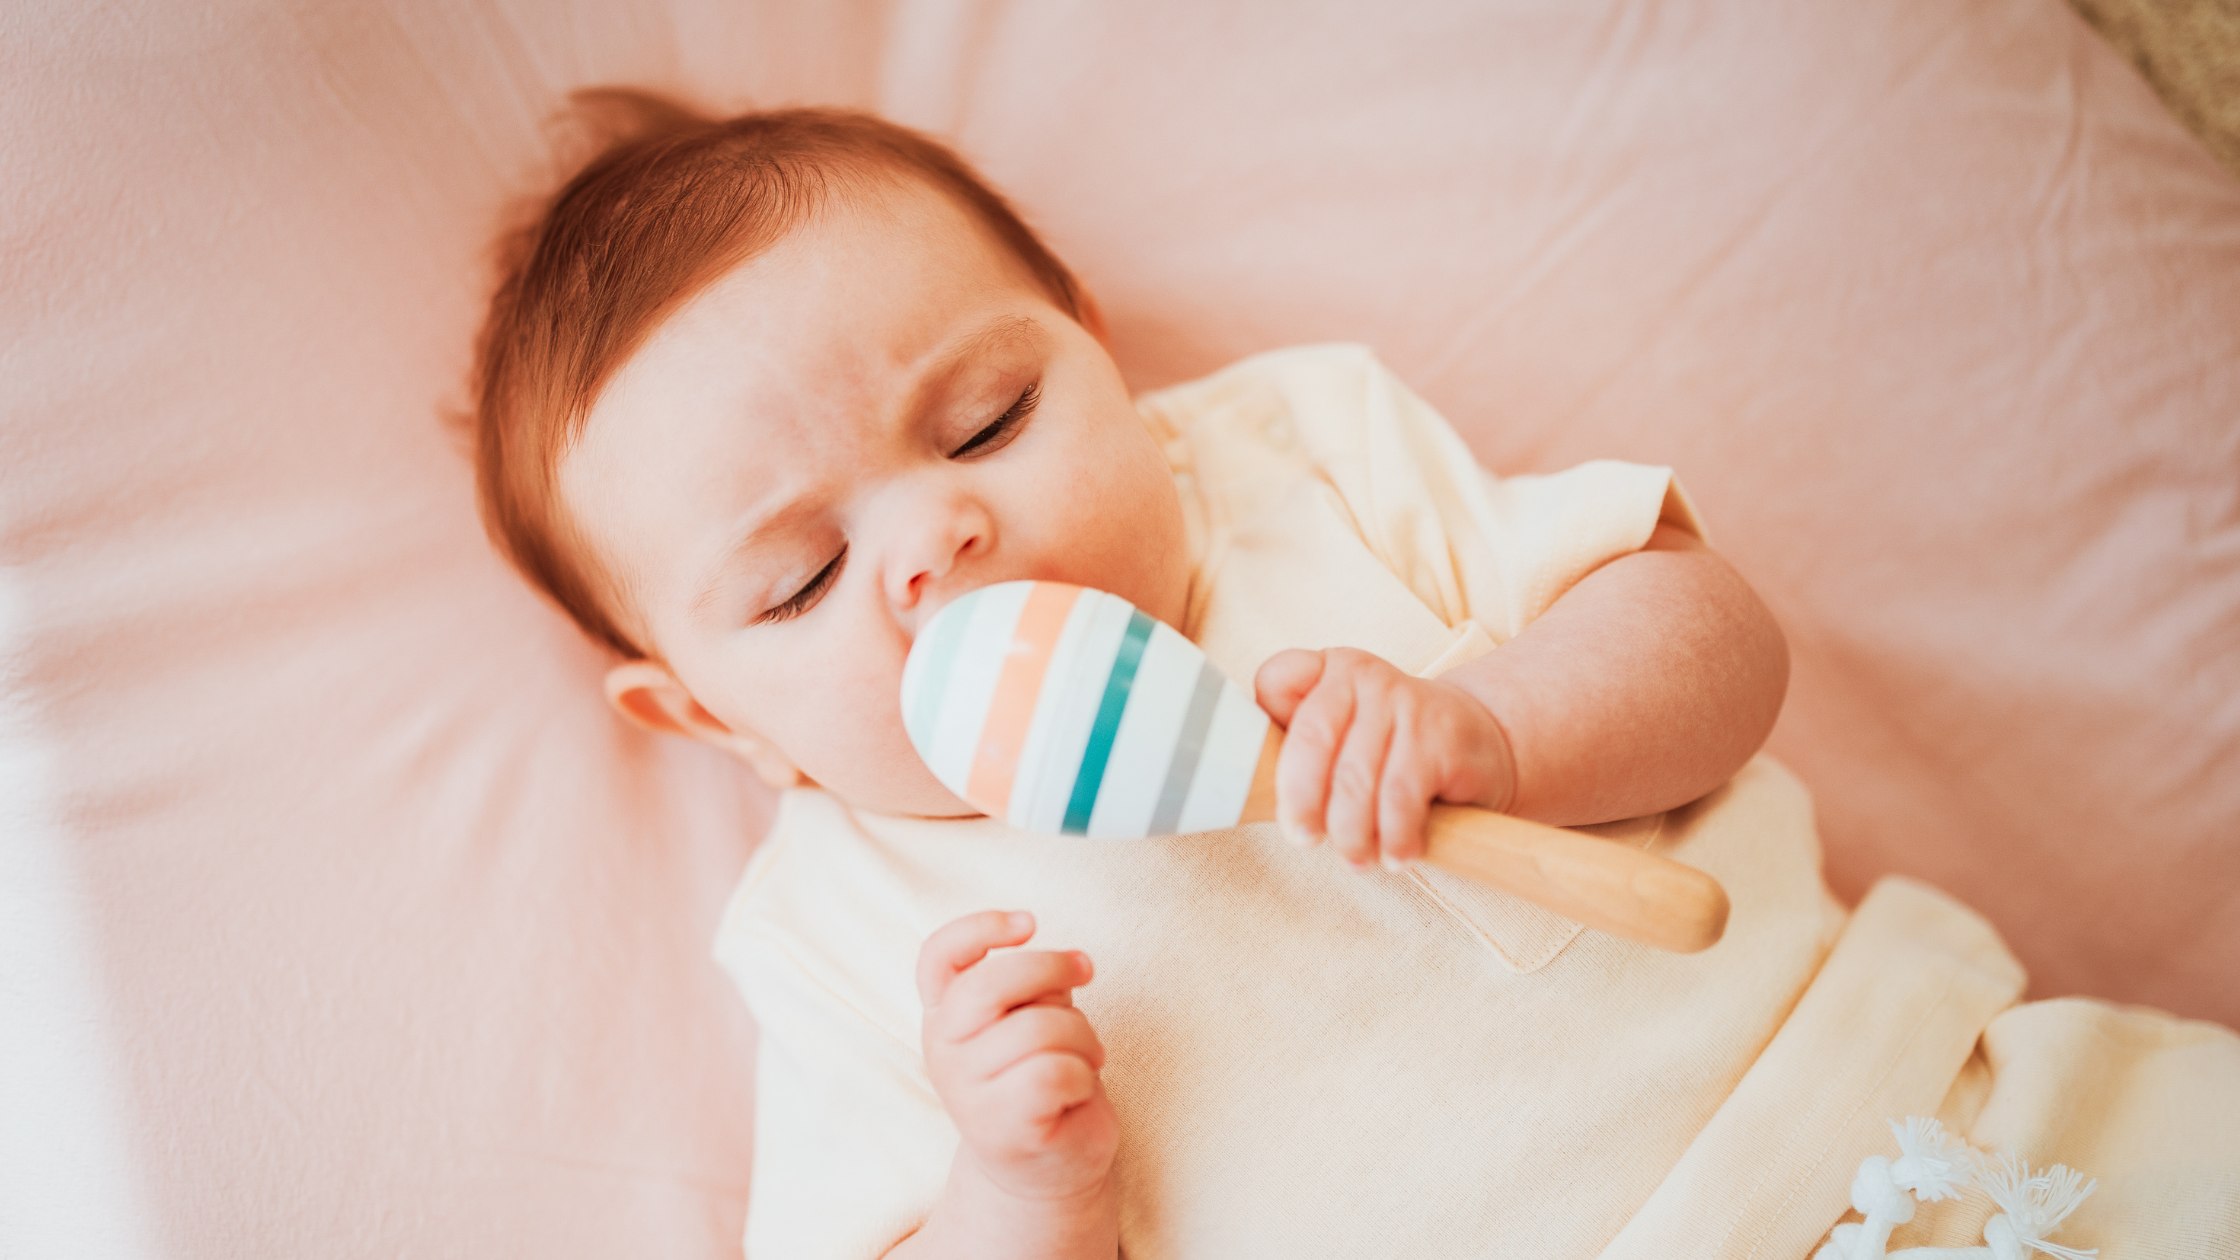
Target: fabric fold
1882	1031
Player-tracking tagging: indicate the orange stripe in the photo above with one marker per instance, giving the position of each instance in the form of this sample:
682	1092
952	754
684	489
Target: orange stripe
996	762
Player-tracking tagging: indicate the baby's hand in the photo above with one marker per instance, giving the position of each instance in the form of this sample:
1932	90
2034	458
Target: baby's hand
1367	749
1013	1061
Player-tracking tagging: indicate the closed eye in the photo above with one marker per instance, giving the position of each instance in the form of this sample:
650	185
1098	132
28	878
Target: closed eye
999	434
806	598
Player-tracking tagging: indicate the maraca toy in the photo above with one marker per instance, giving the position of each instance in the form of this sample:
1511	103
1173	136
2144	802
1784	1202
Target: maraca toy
1070	711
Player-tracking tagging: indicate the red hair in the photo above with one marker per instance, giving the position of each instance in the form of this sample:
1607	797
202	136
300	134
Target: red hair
657	216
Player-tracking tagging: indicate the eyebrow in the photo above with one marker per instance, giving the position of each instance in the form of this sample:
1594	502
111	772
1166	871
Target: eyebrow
740	549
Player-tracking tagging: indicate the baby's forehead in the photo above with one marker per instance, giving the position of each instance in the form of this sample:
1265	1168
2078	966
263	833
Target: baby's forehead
858	257
875	296
856	331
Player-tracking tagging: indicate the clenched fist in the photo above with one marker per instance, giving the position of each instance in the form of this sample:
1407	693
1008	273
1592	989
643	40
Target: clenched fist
1012	1059
1367	749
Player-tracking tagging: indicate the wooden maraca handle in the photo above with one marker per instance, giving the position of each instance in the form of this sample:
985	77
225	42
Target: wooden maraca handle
1607	886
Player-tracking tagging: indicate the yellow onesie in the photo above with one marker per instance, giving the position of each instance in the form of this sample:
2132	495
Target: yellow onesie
1309	1060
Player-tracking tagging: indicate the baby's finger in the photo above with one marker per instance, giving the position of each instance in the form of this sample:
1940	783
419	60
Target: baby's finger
1032	1030
1041	1088
956	945
1310	745
982	995
1403	799
1284	680
1355	777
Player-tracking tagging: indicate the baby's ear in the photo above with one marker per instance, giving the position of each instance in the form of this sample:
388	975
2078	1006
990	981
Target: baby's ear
650	696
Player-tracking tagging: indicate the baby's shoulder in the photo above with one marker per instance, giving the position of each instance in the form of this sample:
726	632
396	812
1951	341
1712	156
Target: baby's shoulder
1333	415
818	917
853	892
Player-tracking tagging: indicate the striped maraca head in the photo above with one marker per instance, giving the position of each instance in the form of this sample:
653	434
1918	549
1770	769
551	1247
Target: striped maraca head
1061	709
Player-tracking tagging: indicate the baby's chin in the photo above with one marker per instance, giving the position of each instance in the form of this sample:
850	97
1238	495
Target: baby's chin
911	793
942	805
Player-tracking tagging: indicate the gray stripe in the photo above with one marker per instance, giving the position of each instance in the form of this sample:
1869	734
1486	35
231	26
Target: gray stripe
1187	747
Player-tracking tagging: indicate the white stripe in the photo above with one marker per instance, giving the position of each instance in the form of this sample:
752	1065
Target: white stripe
972	681
1225	770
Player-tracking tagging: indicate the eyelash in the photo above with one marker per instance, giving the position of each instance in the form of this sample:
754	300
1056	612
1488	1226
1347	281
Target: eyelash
995	435
806	598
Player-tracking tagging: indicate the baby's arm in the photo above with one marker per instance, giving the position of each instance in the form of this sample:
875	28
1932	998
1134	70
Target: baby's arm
1016	1065
1646	685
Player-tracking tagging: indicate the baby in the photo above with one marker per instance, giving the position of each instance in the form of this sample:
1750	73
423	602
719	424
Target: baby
759	397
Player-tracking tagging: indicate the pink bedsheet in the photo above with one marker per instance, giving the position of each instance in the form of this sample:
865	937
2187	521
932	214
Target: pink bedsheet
340	918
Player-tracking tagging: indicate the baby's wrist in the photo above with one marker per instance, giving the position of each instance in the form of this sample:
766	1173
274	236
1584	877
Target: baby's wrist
1498	757
1490	756
1033	1185
1066	1192
982	1216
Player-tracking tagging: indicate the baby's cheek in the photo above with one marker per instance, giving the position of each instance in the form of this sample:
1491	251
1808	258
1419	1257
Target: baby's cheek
846	723
1130	517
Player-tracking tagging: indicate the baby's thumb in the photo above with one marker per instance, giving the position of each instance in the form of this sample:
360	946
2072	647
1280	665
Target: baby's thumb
1284	680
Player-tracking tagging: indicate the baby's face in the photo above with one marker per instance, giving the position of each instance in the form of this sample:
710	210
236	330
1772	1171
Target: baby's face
804	463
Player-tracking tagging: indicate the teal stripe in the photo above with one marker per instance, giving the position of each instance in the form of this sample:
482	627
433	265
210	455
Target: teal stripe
933	681
1115	702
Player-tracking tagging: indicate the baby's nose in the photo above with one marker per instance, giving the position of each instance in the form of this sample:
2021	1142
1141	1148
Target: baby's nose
937	552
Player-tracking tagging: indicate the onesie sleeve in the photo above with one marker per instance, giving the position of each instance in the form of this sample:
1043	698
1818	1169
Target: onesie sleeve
1538	534
851	1144
1472	546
